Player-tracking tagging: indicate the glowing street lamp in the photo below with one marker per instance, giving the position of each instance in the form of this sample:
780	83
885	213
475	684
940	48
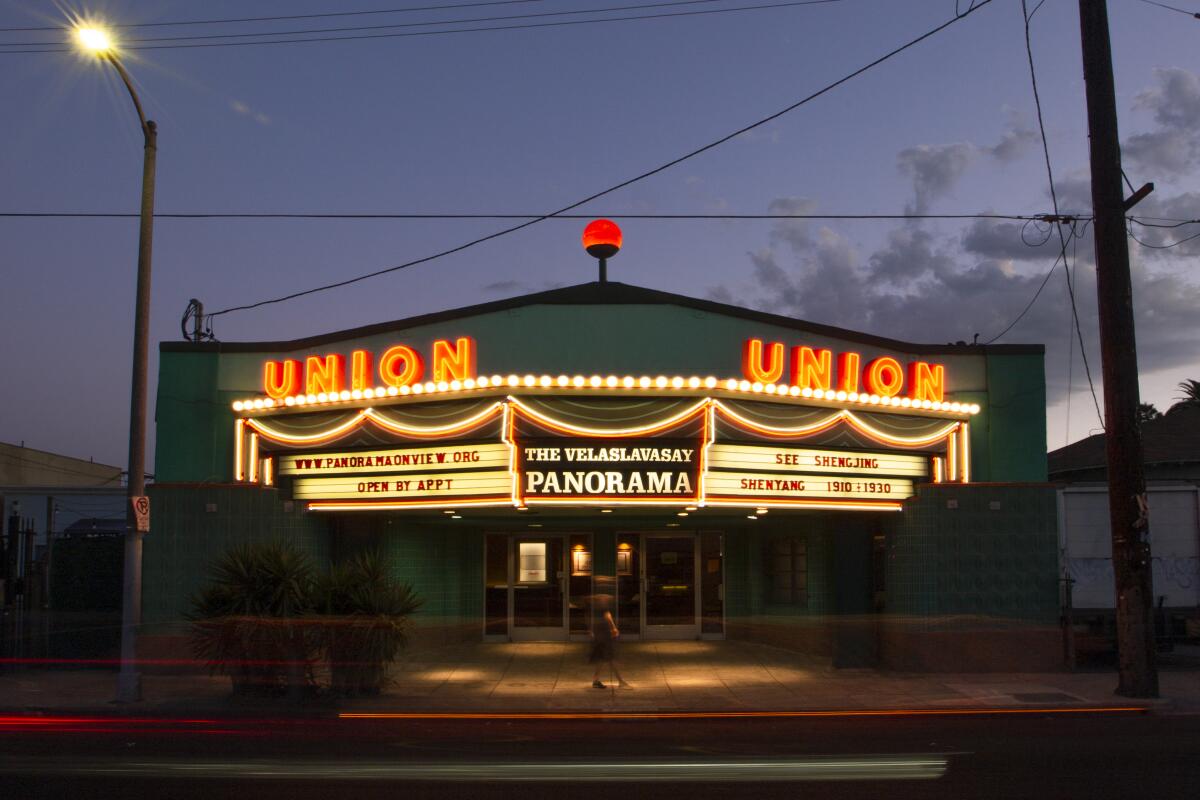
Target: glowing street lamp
129	681
93	39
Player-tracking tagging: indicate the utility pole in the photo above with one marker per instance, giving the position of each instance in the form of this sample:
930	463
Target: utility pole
1128	512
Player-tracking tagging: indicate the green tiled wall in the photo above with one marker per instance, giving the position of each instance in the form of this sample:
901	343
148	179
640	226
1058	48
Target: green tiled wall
186	537
747	586
443	565
993	555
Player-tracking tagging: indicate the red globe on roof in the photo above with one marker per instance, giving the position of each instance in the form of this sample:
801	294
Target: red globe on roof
602	238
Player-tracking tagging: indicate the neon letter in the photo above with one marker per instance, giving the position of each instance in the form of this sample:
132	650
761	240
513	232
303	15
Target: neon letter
401	366
812	369
454	362
755	368
926	381
848	372
360	369
326	374
281	378
885	377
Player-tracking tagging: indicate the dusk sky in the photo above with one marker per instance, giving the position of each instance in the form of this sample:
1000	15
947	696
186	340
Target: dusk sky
525	121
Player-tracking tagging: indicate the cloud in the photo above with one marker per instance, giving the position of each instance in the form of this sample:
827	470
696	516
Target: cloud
508	286
1175	101
1015	141
247	111
921	286
1011	241
934	169
1172	149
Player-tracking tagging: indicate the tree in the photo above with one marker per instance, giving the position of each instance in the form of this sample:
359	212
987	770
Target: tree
1191	395
1147	412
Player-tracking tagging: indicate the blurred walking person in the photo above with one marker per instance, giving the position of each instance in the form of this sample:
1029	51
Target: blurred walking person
604	637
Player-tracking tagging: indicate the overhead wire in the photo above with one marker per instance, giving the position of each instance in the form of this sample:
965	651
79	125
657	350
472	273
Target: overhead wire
1133	236
1175	223
615	187
127	43
1172	8
1032	300
285	17
406	34
439	216
1054	201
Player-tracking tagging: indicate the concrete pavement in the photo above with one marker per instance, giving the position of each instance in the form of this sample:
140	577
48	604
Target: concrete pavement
664	677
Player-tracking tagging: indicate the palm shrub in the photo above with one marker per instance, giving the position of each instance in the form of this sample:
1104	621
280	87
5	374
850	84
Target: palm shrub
252	621
365	617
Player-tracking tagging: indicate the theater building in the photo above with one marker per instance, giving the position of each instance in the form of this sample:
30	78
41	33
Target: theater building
721	473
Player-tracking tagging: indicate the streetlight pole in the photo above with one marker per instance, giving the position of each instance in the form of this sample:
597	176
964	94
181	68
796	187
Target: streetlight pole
129	681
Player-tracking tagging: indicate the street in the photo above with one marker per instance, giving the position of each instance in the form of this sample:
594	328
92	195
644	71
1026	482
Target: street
1018	755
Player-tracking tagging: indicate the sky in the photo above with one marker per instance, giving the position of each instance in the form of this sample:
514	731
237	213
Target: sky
528	120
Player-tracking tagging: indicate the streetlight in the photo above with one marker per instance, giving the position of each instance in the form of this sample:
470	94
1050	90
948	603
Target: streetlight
129	681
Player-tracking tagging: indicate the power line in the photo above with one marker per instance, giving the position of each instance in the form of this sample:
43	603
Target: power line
662	167
1176	223
1032	300
525	26
1054	201
1162	246
284	215
1171	8
279	18
425	24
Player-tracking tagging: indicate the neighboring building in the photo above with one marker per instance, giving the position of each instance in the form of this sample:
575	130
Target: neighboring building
55	596
23	469
720	472
1171	454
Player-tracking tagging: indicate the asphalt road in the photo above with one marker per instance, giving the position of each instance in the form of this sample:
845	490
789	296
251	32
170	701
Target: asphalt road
1026	756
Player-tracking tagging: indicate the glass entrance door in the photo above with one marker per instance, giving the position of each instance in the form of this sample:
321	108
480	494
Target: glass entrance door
539	608
669	583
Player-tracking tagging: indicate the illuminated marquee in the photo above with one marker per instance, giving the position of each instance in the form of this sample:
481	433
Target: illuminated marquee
589	469
814	370
843	462
408	459
420	488
765	486
542	459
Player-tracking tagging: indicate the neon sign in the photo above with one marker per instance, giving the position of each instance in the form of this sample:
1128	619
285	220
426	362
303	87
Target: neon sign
398	366
813	370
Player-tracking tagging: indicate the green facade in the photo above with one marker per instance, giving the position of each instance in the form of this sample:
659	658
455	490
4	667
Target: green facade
982	554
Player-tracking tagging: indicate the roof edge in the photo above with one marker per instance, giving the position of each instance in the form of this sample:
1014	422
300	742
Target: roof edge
612	293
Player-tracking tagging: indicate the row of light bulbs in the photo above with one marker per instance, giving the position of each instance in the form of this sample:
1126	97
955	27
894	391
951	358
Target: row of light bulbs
598	382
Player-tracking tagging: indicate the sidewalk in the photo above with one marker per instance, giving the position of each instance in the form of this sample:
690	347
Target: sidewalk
665	677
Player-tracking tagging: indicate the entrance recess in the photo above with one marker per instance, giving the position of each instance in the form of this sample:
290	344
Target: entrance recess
669	581
536	588
539	590
670	585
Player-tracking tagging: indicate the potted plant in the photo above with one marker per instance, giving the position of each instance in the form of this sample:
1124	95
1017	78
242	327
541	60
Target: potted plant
365	622
252	621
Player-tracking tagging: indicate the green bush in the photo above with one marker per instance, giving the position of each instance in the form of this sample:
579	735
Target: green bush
266	619
253	622
365	619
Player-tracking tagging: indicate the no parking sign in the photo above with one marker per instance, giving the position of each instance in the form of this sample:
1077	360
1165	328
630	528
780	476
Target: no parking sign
141	513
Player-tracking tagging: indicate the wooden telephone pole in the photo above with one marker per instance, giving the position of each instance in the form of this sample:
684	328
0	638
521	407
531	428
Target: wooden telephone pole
1128	513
